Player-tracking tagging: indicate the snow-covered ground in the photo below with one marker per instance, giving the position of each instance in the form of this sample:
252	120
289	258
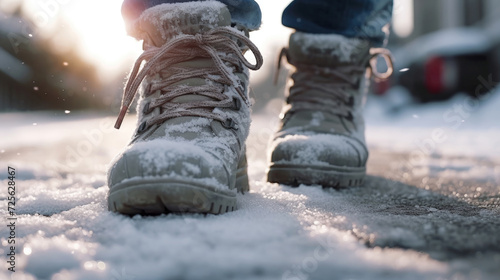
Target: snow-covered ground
428	210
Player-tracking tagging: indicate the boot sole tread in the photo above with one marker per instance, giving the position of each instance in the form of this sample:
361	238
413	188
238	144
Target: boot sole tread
326	176
169	197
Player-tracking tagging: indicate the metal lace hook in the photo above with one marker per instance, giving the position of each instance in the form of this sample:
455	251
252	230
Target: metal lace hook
284	52
387	56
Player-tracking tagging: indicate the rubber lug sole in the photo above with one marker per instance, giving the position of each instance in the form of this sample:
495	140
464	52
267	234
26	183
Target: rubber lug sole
328	177
164	198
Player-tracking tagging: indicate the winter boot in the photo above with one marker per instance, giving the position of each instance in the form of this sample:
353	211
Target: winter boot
321	140
188	152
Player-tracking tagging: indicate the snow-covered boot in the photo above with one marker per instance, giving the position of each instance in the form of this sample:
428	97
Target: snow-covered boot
188	152
321	140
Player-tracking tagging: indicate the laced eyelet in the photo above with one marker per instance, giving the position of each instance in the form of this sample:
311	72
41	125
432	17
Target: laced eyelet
147	110
236	104
349	117
239	67
351	101
242	84
229	124
142	127
147	91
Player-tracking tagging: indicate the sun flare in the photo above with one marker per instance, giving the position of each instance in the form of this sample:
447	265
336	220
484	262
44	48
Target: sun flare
93	28
101	32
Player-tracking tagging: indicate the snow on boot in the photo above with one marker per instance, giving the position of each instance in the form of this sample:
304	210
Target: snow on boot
188	152
321	140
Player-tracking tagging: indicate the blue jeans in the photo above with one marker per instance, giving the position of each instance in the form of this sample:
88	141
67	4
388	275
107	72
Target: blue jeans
363	19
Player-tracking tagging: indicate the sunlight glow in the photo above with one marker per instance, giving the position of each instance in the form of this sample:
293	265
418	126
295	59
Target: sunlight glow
101	32
94	28
403	18
271	37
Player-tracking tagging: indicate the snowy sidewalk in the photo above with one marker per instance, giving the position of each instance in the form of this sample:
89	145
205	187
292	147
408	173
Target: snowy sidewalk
435	218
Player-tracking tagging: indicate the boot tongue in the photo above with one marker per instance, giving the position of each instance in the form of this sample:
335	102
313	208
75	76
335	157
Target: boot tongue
327	50
163	22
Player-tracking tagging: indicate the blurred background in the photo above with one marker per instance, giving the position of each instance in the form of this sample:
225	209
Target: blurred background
74	55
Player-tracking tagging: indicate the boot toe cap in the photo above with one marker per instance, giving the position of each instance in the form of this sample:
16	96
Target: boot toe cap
319	150
168	159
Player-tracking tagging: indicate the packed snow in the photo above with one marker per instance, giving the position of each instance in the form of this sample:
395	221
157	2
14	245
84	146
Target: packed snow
426	211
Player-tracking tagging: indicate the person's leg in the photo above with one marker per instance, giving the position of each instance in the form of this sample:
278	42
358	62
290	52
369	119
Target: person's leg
188	150
244	12
363	19
321	140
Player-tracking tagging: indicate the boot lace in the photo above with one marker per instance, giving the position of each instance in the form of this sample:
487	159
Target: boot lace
331	84
219	44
